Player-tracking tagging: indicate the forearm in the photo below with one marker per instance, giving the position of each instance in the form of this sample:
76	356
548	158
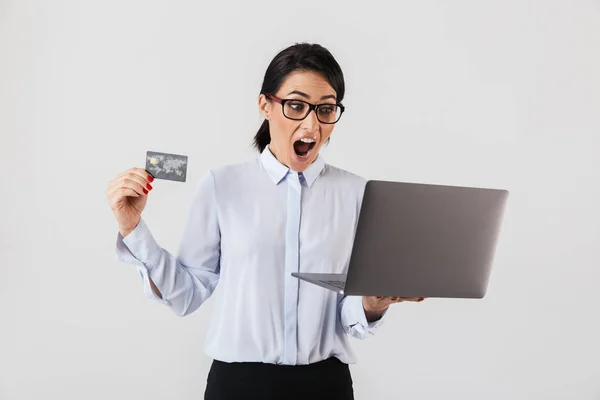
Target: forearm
167	277
171	280
124	233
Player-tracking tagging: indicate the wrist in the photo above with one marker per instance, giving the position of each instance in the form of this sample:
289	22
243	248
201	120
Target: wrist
126	230
373	314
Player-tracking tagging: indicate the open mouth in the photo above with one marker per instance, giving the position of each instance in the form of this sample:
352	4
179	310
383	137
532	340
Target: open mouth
304	146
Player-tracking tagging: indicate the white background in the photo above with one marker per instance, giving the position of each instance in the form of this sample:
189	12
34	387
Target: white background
496	93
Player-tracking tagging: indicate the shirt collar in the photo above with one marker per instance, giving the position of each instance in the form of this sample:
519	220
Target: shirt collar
277	171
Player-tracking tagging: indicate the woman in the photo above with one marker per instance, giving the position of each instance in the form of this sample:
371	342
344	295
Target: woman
250	226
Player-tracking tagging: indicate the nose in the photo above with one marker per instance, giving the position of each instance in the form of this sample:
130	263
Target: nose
311	122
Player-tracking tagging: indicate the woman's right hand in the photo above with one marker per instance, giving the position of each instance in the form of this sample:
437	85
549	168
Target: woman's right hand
127	195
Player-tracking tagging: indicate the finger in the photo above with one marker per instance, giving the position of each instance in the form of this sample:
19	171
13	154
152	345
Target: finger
135	173
412	299
127	192
384	301
139	171
117	193
121	194
125	181
134	184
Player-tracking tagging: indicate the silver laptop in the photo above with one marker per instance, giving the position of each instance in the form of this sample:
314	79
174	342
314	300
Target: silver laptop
421	240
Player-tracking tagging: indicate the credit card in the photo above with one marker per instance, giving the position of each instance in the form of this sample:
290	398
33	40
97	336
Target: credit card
172	167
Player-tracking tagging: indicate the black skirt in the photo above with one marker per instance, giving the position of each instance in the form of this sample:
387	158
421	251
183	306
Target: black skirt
329	379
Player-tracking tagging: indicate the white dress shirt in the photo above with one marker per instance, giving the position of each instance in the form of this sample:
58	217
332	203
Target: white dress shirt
250	226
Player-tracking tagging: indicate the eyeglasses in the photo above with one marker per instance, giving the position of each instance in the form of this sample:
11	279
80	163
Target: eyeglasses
297	110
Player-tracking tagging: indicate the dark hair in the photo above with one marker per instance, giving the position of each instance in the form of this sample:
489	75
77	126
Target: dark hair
298	57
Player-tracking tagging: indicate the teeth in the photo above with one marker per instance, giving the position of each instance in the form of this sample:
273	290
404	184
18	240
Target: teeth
307	140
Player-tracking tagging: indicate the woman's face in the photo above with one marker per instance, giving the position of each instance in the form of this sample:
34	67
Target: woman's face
289	137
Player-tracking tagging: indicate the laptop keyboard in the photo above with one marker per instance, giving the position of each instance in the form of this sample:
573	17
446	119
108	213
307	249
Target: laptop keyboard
337	284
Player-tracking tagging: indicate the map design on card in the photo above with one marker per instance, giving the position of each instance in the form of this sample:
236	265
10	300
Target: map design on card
172	167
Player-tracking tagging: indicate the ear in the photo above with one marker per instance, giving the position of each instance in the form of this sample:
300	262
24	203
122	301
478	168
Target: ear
264	106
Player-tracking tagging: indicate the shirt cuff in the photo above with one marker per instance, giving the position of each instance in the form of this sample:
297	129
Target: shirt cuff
357	313
142	244
125	254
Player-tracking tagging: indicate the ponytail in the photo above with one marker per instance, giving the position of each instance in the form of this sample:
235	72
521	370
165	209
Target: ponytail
262	137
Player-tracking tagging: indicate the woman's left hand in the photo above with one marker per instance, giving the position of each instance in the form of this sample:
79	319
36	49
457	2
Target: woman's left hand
375	306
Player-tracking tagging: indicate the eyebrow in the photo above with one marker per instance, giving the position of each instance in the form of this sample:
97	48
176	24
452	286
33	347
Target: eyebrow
299	93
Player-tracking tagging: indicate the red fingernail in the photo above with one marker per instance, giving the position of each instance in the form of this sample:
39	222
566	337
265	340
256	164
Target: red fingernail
422	298
150	178
149	186
145	191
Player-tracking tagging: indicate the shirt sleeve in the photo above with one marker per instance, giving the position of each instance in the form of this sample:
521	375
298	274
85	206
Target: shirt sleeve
185	281
354	320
